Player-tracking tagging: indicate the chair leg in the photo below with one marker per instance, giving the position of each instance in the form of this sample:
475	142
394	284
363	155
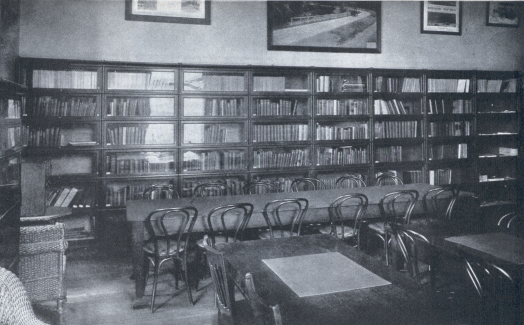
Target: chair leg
176	263
60	307
188	285
155	282
386	245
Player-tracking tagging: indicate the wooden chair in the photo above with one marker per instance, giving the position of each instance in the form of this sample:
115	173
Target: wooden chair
295	211
155	192
354	206
408	243
349	181
307	184
169	233
263	313
260	188
211	189
438	202
387	179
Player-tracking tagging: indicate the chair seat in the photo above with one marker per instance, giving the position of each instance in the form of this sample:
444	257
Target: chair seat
149	248
276	234
348	231
377	227
218	240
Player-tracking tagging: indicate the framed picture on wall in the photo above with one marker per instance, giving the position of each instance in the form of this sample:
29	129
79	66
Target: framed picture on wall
324	26
441	17
504	14
170	11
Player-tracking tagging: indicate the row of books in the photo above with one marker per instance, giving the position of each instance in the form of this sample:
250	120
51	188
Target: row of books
213	106
411	176
198	81
398	154
118	166
342	156
235	184
216	133
154	80
64	106
277	107
445	176
448	85
397	85
10	137
449	129
141	106
448	151
278	83
342	107
497	85
282	184
391	107
10	108
280	132
141	134
213	160
331	180
269	158
74	197
396	129
65	79
118	194
450	106
350	131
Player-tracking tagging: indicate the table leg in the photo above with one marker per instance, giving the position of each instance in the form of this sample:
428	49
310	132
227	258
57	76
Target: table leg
137	238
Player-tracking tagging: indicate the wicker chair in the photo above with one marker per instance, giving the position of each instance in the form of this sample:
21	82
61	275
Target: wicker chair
15	307
42	262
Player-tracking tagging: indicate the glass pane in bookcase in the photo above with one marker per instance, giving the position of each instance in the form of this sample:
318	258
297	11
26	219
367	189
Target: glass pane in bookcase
63	135
350	83
120	134
73	164
342	107
211	160
496	104
141	80
498	148
140	106
125	163
449	85
213	107
385	84
497	170
74	195
449	129
214	81
235	184
397	129
280	132
213	133
290	82
10	137
342	131
446	176
502	125
331	178
118	192
10	108
497	85
281	182
397	106
447	151
65	79
407	176
281	158
280	107
347	155
9	170
64	106
449	106
398	153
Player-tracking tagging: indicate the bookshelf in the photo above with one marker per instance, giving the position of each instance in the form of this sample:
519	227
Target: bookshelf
120	127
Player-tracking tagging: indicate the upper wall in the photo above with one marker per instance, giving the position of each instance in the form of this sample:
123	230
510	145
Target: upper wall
9	36
97	30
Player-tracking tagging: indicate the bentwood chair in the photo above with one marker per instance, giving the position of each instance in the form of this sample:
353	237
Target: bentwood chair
345	214
169	233
438	202
155	192
263	313
387	179
260	188
350	181
211	189
285	216
407	241
307	184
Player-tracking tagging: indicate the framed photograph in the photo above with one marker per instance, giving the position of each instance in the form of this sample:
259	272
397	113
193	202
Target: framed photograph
324	26
170	11
441	17
504	14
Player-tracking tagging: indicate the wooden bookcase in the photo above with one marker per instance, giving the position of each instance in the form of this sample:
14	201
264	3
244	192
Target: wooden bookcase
136	124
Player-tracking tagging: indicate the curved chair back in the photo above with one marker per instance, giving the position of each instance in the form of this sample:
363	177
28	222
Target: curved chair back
155	192
260	188
397	206
406	240
387	179
229	219
350	181
211	189
263	313
511	223
439	201
307	184
293	210
348	207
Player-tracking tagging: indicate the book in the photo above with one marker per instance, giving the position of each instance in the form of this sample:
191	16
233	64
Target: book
70	196
62	196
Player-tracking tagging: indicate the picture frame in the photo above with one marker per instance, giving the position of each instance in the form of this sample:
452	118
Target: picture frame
169	11
441	17
502	13
324	26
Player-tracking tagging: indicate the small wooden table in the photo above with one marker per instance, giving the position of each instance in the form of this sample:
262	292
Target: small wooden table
402	301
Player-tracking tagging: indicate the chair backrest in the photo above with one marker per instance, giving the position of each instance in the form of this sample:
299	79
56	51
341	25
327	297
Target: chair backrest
211	189
511	223
172	226
439	201
348	207
387	179
397	206
307	184
155	192
260	188
229	219
407	242
293	210
263	313
350	181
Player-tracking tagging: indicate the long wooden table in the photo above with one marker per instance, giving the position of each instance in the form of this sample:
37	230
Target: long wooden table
319	201
400	301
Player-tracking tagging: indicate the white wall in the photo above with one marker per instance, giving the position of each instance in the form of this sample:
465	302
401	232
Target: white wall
97	30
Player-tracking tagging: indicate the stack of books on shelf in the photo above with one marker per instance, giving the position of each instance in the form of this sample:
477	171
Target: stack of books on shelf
331	180
124	135
349	131
511	152
157	80
44	137
212	107
342	107
497	85
53	106
235	184
449	129
342	156
397	85
398	154
396	129
445	176
448	85
202	161
74	197
70	79
215	133
10	108
280	132
276	107
270	158
448	151
132	107
353	84
449	106
118	165
390	107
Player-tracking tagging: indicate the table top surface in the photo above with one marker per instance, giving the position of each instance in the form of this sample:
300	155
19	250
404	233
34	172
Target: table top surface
402	300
